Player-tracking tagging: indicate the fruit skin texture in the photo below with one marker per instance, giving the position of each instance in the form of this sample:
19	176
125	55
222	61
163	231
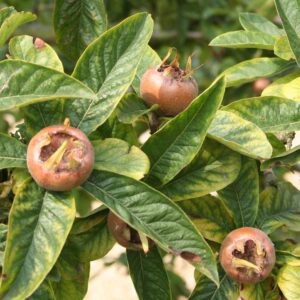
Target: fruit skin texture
172	94
262	254
124	234
259	85
73	168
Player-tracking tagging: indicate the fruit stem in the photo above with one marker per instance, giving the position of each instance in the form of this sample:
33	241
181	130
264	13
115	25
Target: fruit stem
144	241
242	263
56	157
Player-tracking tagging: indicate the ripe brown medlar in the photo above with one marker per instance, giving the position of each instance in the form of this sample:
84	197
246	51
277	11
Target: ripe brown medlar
60	157
247	255
259	85
125	235
170	87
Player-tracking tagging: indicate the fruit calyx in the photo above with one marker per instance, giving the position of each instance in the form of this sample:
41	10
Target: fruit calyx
62	151
249	257
173	69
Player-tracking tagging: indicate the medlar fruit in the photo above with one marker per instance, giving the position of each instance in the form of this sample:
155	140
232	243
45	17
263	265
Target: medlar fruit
125	235
60	157
247	255
170	87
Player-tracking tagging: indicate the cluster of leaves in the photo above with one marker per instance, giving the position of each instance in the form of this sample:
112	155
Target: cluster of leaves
161	188
187	25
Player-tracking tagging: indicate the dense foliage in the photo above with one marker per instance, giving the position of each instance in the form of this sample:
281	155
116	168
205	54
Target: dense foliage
217	166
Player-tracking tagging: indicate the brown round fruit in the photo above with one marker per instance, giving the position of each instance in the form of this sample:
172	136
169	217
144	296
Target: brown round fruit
60	158
125	235
259	85
170	87
247	255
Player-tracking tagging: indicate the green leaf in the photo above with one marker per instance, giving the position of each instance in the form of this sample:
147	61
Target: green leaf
119	157
39	224
5	13
240	135
212	169
288	280
289	12
253	69
242	196
3	234
288	158
287	252
278	146
90	237
45	292
252	292
271	114
125	132
40	115
73	276
254	22
176	144
12	21
38	84
38	52
244	39
210	216
149	275
131	107
149	211
149	59
77	24
283	49
12	152
279	206
285	87
206	290
109	75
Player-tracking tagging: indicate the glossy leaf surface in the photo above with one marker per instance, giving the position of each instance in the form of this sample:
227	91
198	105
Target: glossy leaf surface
244	39
149	275
271	114
289	12
176	144
38	52
77	24
242	196
12	152
279	206
212	169
210	216
39	224
254	22
152	213
38	84
108	66
240	135
253	69
117	156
